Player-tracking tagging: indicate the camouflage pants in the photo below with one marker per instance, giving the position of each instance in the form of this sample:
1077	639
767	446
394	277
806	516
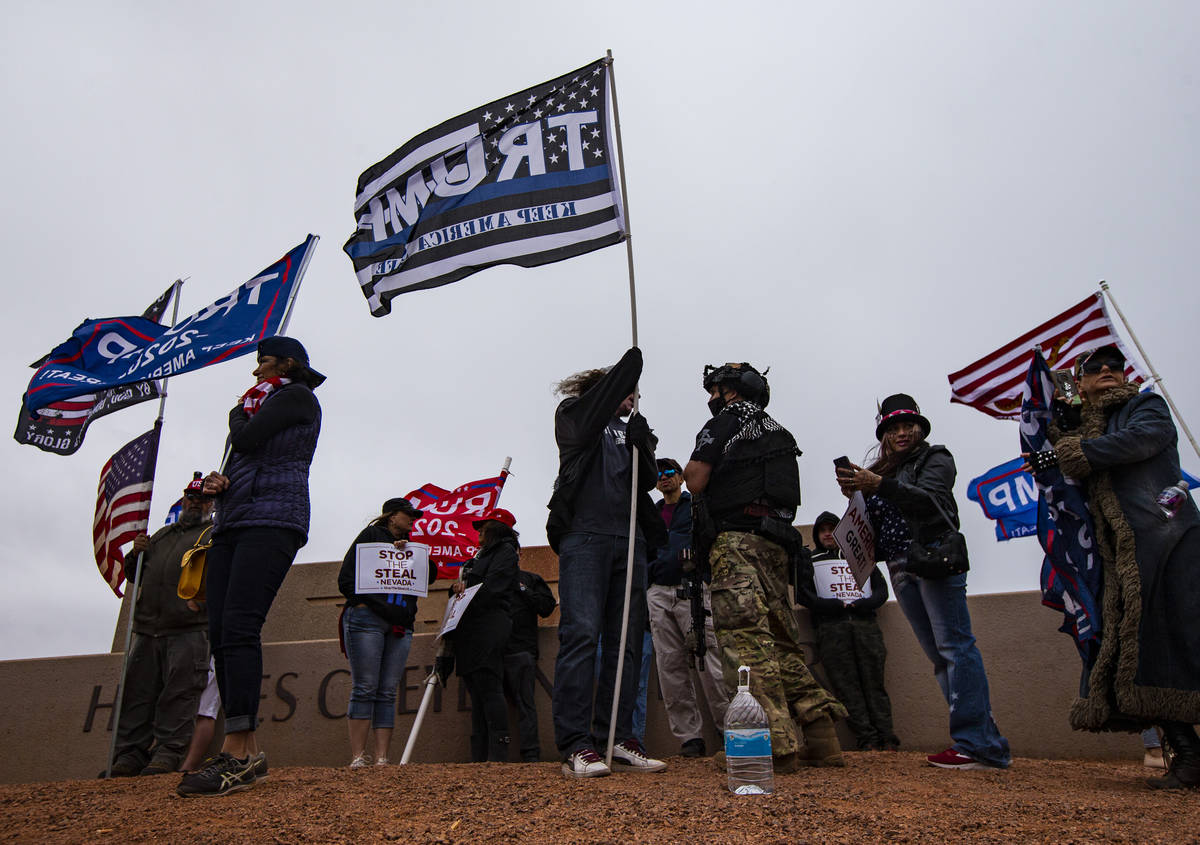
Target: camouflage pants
853	654
756	627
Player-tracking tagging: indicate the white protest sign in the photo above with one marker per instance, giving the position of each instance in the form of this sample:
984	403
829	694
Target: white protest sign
856	539
382	568
834	579
455	609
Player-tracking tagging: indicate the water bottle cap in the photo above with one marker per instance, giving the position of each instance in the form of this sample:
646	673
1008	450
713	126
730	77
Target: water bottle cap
743	680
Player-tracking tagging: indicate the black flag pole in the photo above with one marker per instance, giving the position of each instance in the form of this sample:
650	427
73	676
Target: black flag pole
633	483
137	575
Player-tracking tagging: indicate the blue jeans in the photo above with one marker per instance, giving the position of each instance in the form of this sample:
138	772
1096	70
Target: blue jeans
937	611
591	591
377	658
639	708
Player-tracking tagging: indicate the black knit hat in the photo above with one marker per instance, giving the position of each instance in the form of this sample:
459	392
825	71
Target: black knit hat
899	406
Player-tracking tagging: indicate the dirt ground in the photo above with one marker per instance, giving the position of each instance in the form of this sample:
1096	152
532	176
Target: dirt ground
890	797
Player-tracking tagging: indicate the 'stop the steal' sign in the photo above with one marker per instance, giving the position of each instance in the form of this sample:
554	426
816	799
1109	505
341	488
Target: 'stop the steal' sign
857	539
834	579
383	568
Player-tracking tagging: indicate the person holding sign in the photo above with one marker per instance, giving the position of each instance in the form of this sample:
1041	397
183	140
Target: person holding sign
848	637
376	633
908	486
481	636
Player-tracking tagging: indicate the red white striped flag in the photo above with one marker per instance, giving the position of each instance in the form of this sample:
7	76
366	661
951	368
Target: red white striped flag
123	504
994	383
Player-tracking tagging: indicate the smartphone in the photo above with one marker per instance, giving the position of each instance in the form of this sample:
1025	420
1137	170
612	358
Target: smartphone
842	463
1066	387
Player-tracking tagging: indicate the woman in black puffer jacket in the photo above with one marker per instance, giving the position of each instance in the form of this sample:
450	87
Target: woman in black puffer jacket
480	637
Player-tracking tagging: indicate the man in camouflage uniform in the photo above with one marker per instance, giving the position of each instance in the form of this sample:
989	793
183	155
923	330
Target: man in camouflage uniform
746	486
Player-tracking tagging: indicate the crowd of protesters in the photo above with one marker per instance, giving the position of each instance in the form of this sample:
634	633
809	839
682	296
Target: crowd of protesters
624	564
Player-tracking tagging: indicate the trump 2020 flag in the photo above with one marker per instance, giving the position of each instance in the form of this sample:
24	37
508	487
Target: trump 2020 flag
60	427
123	504
1071	571
527	180
446	525
122	350
1009	497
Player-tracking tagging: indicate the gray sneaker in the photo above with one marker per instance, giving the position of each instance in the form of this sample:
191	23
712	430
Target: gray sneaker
223	774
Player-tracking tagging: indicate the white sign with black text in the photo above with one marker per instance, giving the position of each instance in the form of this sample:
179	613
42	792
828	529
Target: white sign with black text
455	609
383	568
834	579
856	539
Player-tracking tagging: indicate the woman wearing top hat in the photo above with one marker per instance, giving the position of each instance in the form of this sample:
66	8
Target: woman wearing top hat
261	521
480	637
377	634
909	485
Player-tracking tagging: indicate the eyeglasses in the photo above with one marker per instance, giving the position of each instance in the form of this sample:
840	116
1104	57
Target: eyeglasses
192	497
1094	365
667	473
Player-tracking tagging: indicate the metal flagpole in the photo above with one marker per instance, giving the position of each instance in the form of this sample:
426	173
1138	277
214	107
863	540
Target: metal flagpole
432	681
287	309
1153	374
137	575
633	482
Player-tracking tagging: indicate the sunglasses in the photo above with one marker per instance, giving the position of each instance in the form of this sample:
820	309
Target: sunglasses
1094	365
667	473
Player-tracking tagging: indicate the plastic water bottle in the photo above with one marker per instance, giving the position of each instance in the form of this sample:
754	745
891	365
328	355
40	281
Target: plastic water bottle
748	742
1171	498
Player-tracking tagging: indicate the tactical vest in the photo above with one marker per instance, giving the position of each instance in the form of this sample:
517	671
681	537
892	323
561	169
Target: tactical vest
761	471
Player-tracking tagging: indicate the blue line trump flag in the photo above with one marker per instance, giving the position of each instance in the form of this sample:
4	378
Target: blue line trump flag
1009	497
524	180
123	350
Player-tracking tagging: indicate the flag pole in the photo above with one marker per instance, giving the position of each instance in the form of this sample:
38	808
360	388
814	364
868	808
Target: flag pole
432	681
1158	380
633	483
287	309
137	575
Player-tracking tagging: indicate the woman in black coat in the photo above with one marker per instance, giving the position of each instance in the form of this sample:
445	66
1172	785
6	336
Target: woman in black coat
480	637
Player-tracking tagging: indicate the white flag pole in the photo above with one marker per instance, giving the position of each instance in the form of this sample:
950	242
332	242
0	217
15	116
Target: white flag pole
137	575
633	493
1158	381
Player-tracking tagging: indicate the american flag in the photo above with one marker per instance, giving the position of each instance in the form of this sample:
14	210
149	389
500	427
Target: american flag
60	427
527	180
995	382
123	503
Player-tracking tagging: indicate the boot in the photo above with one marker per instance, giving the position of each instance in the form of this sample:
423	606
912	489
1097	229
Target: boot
479	748
821	747
1184	772
498	748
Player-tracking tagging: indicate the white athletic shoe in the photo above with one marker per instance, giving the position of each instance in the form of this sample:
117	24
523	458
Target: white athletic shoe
585	763
360	761
629	756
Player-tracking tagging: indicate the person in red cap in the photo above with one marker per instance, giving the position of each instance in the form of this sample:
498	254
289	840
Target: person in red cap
168	656
480	637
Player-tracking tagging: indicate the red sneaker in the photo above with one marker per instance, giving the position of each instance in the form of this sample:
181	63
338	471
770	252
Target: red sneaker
951	759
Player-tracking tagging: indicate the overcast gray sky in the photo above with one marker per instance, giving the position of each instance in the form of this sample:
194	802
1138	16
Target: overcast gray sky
864	197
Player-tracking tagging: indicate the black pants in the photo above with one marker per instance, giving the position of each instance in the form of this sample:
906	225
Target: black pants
489	716
853	654
244	570
519	686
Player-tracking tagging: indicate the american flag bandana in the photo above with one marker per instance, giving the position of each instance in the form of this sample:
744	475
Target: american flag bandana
253	398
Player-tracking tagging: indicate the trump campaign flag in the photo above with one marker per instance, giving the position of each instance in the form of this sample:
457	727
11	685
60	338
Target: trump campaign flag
1071	569
60	426
124	350
993	384
527	180
123	504
1009	497
446	526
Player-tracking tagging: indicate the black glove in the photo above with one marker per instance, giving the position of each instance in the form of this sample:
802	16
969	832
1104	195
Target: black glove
637	432
1042	461
443	667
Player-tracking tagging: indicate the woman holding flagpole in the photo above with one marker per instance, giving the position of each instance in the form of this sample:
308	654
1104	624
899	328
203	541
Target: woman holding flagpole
261	523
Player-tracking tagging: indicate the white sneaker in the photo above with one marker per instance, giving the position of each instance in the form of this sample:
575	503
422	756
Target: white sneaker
360	761
585	763
629	756
381	761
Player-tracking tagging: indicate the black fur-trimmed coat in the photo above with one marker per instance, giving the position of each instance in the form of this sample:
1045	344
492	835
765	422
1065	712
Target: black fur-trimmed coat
1148	667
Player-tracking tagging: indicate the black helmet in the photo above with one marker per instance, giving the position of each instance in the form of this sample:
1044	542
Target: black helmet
743	378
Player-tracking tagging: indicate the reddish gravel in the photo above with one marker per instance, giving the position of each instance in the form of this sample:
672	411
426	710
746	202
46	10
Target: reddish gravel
892	797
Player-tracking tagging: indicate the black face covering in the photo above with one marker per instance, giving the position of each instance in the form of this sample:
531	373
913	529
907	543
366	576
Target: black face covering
716	404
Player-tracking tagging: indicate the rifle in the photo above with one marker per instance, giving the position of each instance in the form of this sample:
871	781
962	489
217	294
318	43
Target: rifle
691	589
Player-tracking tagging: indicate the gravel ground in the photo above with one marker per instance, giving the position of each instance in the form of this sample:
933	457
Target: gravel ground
877	797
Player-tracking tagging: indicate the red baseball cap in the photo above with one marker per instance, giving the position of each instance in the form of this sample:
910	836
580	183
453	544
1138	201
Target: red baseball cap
497	514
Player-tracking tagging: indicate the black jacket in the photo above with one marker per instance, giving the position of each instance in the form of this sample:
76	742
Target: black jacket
401	613
481	636
160	611
665	568
924	481
533	599
579	423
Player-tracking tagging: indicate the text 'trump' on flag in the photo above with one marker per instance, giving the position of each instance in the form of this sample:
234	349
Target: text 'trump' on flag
123	503
994	383
526	180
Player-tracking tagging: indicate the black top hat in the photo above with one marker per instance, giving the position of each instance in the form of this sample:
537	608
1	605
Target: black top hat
899	406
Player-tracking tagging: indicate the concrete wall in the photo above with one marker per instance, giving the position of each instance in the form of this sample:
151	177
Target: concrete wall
55	713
